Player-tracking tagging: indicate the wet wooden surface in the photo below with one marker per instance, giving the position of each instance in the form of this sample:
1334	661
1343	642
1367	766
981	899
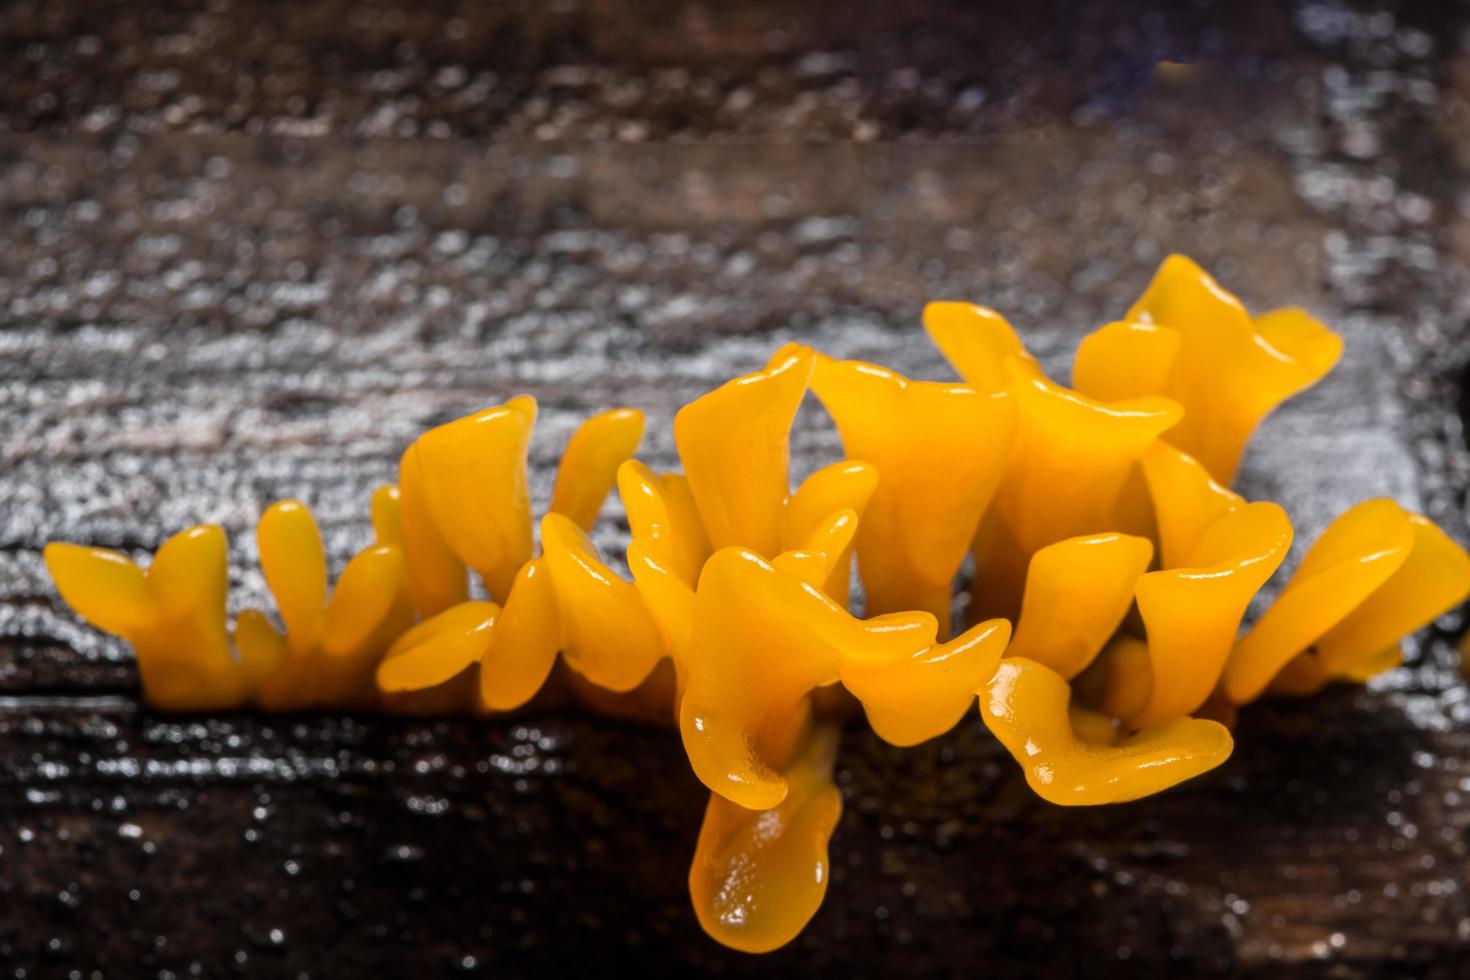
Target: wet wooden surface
251	249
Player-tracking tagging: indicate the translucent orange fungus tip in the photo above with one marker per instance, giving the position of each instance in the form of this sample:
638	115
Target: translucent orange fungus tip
1113	570
938	451
758	876
1028	707
1229	369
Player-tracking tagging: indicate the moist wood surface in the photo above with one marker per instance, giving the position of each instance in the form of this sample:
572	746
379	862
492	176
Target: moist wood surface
252	249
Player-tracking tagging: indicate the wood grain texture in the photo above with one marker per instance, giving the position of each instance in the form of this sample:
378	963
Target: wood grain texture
252	249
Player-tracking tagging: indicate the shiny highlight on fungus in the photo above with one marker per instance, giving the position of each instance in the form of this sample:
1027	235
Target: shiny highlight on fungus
1113	571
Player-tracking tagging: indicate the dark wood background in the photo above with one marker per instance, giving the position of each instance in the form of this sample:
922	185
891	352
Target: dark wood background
251	248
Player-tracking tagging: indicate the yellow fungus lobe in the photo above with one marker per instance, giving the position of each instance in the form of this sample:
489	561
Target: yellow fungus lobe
607	633
369	609
436	575
734	444
173	615
663	517
978	342
814	560
939	450
1433	579
387	515
845	485
1230	370
1025	705
913	698
518	656
1377	574
295	568
1353	557
1186	500
1119	681
438	649
1077	592
1192	613
1125	360
762	640
104	587
590	464
473	473
261	650
1066	478
758	876
332	645
1072	456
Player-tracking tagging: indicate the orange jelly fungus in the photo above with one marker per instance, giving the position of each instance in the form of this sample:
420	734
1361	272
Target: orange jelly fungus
939	451
1227	370
1085	760
1113	570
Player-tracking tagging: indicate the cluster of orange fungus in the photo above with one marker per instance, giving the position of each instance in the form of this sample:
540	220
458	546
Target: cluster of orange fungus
1113	570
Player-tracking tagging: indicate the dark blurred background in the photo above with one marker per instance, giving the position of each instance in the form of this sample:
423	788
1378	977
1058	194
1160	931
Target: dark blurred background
251	248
